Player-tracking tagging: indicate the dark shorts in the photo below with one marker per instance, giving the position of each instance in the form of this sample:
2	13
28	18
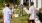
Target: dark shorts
32	20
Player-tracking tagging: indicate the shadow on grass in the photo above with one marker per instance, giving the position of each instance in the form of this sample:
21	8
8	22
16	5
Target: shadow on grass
25	14
1	22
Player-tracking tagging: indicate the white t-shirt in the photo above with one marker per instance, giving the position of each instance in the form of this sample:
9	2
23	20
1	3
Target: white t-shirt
32	11
7	13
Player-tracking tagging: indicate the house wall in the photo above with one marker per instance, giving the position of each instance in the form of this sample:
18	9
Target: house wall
37	3
34	3
41	3
21	2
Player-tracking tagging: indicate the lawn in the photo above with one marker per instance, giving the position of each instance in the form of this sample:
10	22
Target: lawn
20	19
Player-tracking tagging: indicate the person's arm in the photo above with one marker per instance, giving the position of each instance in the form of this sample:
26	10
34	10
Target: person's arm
12	10
30	12
3	16
11	14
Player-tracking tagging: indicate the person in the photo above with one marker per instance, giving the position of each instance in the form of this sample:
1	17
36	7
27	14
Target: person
21	10
12	10
7	14
40	15
32	13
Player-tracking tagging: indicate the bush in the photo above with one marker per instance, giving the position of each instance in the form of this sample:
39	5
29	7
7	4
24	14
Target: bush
16	2
27	3
2	5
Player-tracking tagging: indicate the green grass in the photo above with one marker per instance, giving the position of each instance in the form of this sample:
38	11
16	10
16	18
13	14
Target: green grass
21	19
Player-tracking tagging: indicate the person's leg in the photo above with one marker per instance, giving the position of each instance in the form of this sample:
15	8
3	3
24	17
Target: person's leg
29	21
5	22
32	21
8	21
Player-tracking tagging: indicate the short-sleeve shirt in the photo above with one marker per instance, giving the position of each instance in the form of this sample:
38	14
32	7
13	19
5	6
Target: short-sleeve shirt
32	11
7	13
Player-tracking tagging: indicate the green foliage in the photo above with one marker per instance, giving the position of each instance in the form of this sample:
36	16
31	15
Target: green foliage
27	3
40	10
21	19
16	2
2	5
7	1
1	1
12	1
0	13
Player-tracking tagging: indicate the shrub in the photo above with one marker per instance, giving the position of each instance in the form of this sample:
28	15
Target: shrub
40	10
27	3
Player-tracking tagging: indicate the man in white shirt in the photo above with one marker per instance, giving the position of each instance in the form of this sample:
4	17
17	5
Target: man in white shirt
32	13
6	14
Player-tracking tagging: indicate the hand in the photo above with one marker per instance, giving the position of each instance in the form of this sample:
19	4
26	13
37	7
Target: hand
29	15
10	19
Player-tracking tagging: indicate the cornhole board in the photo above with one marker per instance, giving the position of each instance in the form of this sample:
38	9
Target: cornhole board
16	15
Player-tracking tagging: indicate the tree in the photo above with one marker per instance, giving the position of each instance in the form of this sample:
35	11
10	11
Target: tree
16	2
1	1
7	1
12	1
